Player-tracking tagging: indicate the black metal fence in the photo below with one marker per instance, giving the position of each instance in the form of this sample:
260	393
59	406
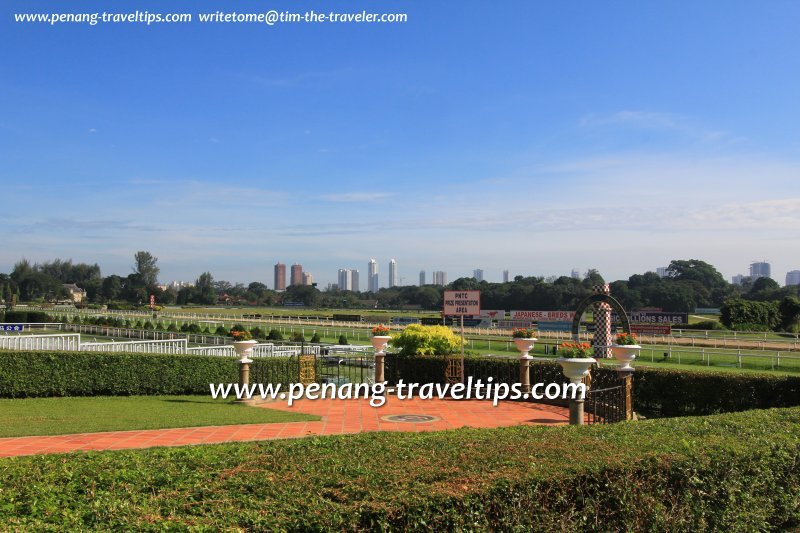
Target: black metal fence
310	368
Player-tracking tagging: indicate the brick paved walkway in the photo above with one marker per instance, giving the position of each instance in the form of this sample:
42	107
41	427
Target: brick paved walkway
338	417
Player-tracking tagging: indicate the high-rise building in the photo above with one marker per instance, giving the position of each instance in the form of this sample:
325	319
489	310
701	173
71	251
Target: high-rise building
738	279
372	276
280	277
760	270
439	278
345	279
575	274
296	277
478	274
661	271
421	278
392	273
354	276
308	279
505	276
793	277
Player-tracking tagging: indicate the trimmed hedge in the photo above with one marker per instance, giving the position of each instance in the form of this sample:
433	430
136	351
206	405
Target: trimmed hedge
734	472
656	392
38	374
22	317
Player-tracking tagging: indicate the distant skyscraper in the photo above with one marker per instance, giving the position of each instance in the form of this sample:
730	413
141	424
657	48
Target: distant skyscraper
505	276
439	278
392	273
478	274
345	279
759	270
661	271
308	279
348	279
296	277
372	276
280	277
421	278
737	279
575	274
793	277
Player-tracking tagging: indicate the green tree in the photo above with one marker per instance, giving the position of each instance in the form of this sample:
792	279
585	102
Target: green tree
146	266
204	292
790	314
696	270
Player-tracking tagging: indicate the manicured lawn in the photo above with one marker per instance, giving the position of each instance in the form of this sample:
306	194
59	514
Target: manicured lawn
59	416
733	472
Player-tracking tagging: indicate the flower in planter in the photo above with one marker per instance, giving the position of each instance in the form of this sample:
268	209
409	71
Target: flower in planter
241	335
575	350
380	331
627	339
522	333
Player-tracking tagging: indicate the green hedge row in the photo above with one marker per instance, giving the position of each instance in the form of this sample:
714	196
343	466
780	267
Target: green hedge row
656	392
734	472
19	317
37	374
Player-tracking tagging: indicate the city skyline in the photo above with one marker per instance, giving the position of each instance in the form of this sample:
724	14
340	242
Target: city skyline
528	137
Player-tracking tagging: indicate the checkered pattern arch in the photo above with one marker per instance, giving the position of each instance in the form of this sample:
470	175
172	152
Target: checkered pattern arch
602	323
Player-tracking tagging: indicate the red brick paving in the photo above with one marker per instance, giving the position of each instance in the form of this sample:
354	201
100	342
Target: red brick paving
338	417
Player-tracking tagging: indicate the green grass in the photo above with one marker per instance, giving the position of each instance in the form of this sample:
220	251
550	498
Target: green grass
59	416
734	472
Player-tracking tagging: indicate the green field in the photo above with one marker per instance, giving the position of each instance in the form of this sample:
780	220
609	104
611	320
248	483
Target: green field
58	416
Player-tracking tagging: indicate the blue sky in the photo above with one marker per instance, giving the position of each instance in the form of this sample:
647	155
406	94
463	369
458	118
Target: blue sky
536	137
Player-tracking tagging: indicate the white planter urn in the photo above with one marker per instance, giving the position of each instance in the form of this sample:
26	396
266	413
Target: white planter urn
625	353
576	368
244	349
380	342
524	346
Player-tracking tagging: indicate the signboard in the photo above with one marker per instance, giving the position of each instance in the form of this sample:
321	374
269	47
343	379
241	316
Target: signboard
460	303
651	329
707	310
640	317
404	320
511	324
493	314
152	300
658	318
554	326
554	316
12	327
293	304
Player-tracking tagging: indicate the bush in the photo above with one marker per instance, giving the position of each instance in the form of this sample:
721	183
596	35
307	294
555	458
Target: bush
733	472
342	340
707	325
221	331
275	335
298	337
416	339
656	392
172	327
20	317
315	338
739	314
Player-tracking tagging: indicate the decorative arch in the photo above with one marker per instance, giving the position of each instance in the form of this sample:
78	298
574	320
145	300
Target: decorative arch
596	298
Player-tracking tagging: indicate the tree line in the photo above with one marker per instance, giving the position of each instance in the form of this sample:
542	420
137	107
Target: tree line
689	284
